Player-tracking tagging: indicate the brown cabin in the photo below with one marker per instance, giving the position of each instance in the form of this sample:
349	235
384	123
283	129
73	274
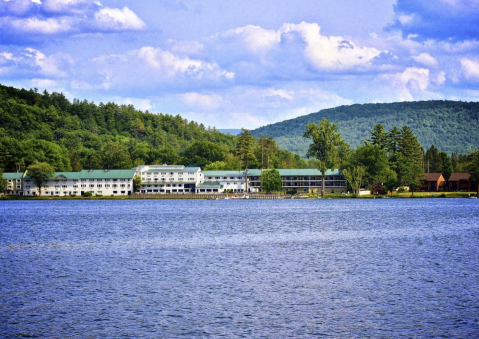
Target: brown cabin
432	182
460	182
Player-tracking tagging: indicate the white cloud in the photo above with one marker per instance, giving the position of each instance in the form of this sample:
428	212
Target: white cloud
321	51
412	81
171	64
202	101
271	92
426	59
51	66
330	52
440	78
118	19
470	69
48	26
254	38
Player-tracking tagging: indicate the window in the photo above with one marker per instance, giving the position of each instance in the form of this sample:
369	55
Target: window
75	186
107	185
172	179
92	185
83	185
99	185
64	186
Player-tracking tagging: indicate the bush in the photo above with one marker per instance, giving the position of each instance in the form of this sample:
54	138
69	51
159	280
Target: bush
87	194
73	195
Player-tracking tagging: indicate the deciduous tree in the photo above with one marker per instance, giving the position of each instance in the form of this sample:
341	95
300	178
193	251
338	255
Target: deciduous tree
326	142
271	180
40	172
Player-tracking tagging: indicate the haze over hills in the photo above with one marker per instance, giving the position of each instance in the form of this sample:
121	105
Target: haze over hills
451	126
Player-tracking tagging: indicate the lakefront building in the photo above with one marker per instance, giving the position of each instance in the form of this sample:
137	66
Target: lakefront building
97	182
168	179
299	180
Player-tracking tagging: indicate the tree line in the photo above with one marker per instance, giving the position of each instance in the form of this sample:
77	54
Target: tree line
390	158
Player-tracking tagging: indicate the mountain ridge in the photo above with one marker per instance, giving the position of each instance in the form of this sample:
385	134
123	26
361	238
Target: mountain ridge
452	126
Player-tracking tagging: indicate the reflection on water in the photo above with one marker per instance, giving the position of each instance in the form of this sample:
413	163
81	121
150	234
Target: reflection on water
340	268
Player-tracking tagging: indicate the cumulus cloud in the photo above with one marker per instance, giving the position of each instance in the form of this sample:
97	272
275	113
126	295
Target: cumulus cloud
320	51
32	63
440	20
118	19
409	83
24	19
470	69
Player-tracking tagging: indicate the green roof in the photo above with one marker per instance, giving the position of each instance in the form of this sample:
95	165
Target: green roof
282	172
223	173
60	175
108	174
210	184
13	175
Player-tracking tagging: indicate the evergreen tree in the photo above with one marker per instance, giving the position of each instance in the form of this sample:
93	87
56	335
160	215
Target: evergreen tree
446	165
378	137
3	182
472	167
244	149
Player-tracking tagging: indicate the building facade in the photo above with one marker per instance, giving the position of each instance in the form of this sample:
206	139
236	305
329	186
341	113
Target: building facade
14	183
168	179
97	182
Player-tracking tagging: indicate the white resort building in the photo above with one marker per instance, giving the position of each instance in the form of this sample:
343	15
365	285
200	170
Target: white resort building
97	182
167	179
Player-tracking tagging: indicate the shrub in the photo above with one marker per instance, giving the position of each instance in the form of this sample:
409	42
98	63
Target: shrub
87	194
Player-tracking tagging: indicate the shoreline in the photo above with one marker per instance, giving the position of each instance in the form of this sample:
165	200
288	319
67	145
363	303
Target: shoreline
404	195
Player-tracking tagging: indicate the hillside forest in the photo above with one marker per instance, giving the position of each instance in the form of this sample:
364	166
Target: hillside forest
70	136
451	126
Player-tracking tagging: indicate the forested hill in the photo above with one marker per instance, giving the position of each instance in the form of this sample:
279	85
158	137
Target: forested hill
452	126
47	127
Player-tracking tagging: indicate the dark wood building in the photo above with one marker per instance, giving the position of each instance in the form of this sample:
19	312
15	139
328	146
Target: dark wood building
432	182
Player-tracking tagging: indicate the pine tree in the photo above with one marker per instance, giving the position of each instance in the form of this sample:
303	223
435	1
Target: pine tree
244	149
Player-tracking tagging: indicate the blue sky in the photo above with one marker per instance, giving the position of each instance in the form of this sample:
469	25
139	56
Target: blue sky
246	63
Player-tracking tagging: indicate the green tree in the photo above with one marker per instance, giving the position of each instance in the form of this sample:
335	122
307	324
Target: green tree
432	161
472	167
374	160
244	149
136	183
271	180
355	176
202	153
378	137
40	172
75	161
115	155
446	165
3	182
216	166
326	142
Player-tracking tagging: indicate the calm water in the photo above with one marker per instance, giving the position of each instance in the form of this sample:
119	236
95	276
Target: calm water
239	269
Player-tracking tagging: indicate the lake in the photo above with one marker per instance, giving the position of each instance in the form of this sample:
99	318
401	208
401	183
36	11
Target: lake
239	268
